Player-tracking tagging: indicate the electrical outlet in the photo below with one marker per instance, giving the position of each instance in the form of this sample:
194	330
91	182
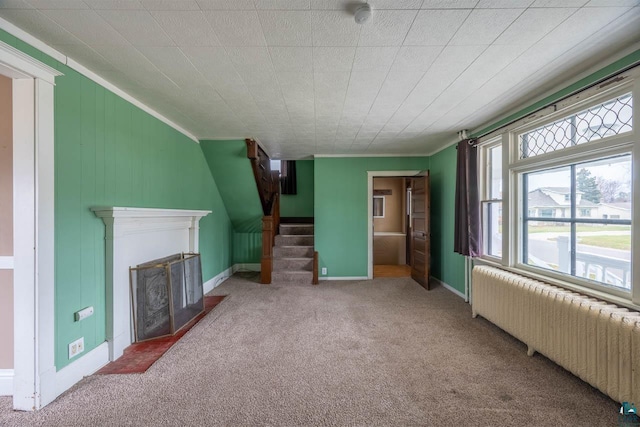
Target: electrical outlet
76	347
324	271
83	314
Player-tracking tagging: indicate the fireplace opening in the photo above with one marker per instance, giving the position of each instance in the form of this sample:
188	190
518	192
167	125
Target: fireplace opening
166	294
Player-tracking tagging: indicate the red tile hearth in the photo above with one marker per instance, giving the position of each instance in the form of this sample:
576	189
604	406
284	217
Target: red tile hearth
138	357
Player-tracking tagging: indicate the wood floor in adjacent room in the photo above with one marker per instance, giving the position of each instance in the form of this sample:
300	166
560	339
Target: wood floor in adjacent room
391	271
384	352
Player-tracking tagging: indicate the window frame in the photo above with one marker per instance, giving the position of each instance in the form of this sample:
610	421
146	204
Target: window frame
514	168
384	202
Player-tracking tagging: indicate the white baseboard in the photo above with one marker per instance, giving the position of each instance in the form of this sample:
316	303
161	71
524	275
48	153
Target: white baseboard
6	382
449	287
85	366
344	278
216	280
246	267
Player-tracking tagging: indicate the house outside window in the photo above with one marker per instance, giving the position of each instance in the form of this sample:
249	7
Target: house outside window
567	190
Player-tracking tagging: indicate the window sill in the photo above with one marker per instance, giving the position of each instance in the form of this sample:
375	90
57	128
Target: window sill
601	295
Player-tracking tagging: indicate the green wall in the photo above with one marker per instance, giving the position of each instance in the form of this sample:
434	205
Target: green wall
301	204
445	264
110	153
232	171
341	209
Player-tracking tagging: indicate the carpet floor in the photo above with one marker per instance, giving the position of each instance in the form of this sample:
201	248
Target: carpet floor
381	352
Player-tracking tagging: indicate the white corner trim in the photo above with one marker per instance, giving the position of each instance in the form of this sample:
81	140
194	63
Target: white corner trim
449	287
215	281
6	382
246	267
124	95
60	57
344	278
85	366
6	263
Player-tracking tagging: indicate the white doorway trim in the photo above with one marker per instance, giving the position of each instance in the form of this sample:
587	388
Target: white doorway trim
370	176
33	227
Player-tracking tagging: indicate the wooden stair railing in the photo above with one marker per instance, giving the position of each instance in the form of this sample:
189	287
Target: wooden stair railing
268	183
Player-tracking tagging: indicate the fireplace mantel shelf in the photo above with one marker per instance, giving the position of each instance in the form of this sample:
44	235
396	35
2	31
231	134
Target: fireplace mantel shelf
129	212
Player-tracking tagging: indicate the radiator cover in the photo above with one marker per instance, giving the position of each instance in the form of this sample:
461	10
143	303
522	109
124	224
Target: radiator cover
595	340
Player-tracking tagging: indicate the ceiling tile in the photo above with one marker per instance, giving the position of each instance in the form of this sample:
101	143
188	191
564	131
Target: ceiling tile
283	4
416	58
435	27
138	27
334	28
115	4
286	28
88	26
449	4
327	59
174	64
235	28
58	4
503	4
292	58
597	3
534	24
559	3
396	4
187	28
43	27
126	57
226	4
250	57
582	24
170	4
387	28
209	59
483	26
374	58
15	4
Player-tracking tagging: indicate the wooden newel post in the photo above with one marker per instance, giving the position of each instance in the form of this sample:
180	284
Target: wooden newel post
268	236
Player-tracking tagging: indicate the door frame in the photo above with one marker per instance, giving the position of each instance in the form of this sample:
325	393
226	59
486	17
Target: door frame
34	368
370	176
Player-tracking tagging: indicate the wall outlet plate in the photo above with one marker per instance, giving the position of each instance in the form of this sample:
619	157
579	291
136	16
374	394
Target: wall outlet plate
76	347
324	271
83	314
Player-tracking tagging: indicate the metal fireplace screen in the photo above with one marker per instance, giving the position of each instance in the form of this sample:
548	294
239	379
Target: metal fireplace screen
166	294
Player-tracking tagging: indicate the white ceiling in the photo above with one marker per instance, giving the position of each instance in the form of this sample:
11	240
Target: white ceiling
303	78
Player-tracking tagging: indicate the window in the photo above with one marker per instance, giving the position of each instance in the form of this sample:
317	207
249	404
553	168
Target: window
378	206
567	191
594	249
492	202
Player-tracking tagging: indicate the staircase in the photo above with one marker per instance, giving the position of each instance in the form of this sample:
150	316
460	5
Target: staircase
293	254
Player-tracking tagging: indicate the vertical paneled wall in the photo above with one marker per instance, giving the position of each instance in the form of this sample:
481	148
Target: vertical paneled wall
6	222
109	152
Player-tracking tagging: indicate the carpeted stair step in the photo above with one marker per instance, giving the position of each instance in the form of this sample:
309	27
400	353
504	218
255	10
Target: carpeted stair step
296	229
297	277
293	264
293	251
296	240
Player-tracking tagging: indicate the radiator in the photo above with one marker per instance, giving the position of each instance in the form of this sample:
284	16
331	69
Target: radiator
597	341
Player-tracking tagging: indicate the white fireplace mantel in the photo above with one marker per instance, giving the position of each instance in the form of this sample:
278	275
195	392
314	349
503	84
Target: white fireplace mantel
134	236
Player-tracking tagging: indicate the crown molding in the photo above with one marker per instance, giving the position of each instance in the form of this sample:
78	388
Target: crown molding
319	156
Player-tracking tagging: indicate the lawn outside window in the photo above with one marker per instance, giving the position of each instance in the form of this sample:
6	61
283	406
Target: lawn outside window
557	192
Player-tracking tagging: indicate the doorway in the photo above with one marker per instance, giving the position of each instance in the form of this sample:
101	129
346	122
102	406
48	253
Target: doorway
391	227
389	230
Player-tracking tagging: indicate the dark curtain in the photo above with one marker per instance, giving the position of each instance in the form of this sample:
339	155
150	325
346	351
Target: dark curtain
288	181
468	234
